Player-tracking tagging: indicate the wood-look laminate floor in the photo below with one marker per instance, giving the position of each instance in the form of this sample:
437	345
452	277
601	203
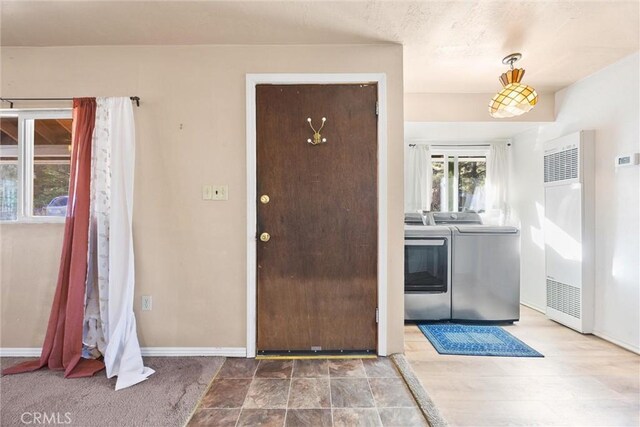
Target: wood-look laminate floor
582	380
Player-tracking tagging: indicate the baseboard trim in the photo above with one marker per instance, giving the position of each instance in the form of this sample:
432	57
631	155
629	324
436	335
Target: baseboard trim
146	351
542	310
20	351
617	342
195	351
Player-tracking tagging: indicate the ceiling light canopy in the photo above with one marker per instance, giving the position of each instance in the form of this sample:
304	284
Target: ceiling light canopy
515	98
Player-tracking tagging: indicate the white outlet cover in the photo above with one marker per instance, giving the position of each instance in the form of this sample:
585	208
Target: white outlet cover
146	303
220	192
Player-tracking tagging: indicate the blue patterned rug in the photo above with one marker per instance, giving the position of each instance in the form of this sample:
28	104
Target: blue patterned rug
475	340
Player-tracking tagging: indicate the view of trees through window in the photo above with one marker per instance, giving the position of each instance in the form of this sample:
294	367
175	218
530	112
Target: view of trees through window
472	173
468	172
437	175
8	168
49	182
46	175
8	190
52	143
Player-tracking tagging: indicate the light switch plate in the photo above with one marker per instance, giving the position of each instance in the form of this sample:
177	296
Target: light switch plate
146	303
219	192
207	192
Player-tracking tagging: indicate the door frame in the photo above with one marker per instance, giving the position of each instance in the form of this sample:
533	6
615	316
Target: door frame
291	79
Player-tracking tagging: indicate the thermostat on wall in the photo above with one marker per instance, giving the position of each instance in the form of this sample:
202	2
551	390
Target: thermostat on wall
628	160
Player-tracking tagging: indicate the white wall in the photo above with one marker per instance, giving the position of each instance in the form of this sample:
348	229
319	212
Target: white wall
607	102
526	194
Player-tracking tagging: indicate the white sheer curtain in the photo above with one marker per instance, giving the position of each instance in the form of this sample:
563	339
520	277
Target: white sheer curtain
110	324
497	211
417	182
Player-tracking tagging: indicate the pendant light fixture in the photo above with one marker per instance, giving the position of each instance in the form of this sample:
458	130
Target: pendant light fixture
515	98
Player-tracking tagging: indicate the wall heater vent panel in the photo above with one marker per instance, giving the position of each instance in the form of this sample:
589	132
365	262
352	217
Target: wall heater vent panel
564	298
561	165
569	196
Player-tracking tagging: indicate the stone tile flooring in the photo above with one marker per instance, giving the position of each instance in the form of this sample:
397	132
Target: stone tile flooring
308	392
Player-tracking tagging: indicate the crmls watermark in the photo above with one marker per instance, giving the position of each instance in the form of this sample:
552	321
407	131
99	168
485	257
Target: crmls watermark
46	418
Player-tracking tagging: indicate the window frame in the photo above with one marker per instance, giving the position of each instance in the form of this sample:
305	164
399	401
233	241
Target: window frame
454	152
26	160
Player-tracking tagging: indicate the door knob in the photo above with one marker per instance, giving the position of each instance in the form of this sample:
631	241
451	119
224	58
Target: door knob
265	237
264	199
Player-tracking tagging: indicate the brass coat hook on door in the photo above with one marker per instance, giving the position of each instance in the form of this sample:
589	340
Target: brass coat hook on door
317	138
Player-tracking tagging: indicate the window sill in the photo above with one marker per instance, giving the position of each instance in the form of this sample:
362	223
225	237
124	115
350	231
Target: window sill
44	220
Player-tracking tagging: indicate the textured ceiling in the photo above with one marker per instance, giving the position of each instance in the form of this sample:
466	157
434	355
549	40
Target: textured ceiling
454	46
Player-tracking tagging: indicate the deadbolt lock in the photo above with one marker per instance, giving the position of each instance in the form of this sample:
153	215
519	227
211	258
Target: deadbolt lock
264	199
265	237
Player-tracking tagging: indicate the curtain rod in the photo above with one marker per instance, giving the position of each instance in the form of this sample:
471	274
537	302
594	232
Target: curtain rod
461	145
454	145
11	101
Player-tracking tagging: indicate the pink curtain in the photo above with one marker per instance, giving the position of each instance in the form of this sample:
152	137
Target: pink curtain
62	348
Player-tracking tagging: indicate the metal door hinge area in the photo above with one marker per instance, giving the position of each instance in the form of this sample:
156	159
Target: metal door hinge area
377	315
377	108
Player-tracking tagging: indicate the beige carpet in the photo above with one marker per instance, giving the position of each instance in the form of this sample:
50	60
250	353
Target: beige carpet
165	399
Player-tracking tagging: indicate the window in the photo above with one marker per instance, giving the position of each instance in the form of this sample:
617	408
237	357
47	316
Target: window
458	181
35	150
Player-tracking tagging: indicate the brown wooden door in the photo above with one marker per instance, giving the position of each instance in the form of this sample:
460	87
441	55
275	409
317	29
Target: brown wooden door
317	275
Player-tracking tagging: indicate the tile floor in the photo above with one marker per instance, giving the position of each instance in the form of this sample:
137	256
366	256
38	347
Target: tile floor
309	392
582	380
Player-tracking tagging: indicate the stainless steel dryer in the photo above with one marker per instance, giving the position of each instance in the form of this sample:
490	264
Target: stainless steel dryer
427	270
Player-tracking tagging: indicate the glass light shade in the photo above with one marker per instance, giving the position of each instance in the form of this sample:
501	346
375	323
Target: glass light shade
513	100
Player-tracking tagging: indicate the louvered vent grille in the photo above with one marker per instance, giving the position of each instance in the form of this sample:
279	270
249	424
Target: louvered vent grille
561	166
563	297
